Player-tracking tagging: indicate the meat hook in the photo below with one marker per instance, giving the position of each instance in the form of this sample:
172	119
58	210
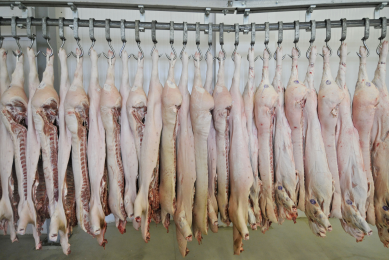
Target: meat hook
267	41
75	33
154	37
236	41
198	41
61	33
313	37
252	43
92	35
137	39
15	36
30	35
46	36
221	40
108	38
296	37
1	39
328	36
280	38
383	35
123	36
209	40
365	37
344	34
172	41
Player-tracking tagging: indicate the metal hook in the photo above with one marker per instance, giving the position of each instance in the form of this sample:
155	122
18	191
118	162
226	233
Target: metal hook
236	41
172	41
46	37
15	36
30	35
267	41
221	40
61	33
77	38
154	37
123	36
280	39
198	41
365	37
137	39
209	40
79	46
296	37
328	36
2	38
313	38
383	35
252	42
92	36
343	35
108	38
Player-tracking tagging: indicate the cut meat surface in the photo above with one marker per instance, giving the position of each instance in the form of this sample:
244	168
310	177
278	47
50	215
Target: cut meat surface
380	149
171	103
110	108
286	176
295	97
265	104
319	185
353	181
201	104
329	98
135	105
212	156
365	101
186	166
223	102
77	119
146	204
241	179
98	174
255	216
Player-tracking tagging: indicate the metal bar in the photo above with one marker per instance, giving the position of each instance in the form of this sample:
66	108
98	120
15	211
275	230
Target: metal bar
191	27
217	6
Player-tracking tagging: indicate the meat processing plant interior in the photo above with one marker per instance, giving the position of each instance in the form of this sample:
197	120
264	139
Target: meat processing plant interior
194	129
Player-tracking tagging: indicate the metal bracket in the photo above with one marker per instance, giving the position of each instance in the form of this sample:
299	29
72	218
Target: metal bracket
225	11
246	19
236	3
74	10
378	9
309	12
24	10
142	16
206	18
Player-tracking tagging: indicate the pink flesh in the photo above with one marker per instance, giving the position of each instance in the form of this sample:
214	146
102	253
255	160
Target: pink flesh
241	179
329	98
265	104
110	108
286	176
318	178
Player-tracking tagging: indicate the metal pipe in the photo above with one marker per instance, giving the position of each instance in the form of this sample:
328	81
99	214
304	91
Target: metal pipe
191	27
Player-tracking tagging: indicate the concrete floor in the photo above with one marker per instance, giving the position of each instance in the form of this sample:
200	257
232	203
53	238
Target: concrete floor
287	241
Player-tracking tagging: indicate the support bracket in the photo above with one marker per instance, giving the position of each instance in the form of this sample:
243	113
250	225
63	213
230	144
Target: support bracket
309	12
24	10
74	9
378	9
142	16
235	3
246	19
206	18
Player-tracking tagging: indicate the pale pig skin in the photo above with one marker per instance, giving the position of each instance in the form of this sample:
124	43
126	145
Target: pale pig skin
352	177
98	174
380	149
286	176
171	103
329	98
186	165
255	216
110	108
241	179
295	97
264	109
365	101
201	104
318	179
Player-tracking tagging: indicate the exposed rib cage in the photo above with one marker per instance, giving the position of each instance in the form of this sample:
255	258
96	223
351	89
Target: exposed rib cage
104	193
69	198
14	195
39	197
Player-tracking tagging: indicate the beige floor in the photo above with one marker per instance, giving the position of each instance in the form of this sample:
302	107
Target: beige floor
289	241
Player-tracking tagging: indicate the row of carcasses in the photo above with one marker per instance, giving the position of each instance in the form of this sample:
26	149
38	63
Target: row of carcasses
254	158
